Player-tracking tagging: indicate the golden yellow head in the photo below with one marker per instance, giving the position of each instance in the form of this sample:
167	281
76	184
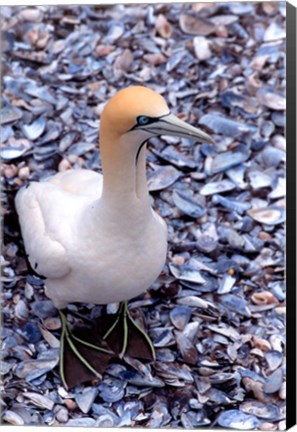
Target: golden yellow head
126	106
142	113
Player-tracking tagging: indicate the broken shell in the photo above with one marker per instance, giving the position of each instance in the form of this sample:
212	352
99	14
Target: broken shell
232	205
264	297
236	303
13	418
10	114
274	359
225	161
262	410
180	316
163	27
195	26
162	178
34	130
39	400
11	153
273	382
236	419
272	156
186	347
226	284
186	273
86	398
223	125
270	215
259	179
274	32
187	205
271	99
32	369
111	390
217	187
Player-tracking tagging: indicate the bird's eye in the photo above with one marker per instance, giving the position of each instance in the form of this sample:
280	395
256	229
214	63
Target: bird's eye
143	120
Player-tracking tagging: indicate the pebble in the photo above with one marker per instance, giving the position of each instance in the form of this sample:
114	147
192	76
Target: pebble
202	48
61	415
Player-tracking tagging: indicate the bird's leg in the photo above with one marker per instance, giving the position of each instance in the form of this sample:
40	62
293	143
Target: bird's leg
70	338
130	330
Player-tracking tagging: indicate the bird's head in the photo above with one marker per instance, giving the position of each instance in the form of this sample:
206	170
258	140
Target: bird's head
139	113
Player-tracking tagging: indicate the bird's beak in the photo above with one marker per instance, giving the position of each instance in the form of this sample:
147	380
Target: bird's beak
171	125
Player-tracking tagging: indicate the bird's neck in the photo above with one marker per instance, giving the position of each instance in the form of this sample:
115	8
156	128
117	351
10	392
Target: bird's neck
124	173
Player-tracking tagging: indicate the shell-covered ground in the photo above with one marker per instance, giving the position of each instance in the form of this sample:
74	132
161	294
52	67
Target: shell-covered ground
216	314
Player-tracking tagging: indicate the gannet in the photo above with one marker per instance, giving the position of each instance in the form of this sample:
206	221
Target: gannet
95	238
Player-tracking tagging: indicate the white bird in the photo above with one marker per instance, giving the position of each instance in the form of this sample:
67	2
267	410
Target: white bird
95	238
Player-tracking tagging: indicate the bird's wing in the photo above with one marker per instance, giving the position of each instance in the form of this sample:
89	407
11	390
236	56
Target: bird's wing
46	254
79	181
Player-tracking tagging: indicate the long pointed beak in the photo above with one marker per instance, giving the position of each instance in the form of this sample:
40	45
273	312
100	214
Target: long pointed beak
171	125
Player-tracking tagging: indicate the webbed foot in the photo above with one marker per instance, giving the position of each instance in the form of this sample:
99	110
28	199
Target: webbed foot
125	336
80	359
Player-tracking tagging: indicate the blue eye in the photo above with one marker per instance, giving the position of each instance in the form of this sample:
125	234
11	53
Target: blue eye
143	120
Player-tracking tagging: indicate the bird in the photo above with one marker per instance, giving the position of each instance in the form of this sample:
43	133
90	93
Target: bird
94	237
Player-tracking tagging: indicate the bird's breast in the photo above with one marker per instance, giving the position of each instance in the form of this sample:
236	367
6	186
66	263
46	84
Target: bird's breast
116	261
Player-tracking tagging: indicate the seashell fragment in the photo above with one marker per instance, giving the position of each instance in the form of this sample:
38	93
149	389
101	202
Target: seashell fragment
187	205
226	284
163	27
188	351
11	153
86	398
180	316
274	359
10	114
177	158
259	179
232	205
279	190
264	297
32	369
116	30
273	382
225	161
186	273
223	125
196	26
267	411
111	390
39	400
162	177
272	215
217	187
235	303
270	99
274	32
13	418
236	419
34	130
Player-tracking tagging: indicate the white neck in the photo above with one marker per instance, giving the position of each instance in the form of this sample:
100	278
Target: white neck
124	177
